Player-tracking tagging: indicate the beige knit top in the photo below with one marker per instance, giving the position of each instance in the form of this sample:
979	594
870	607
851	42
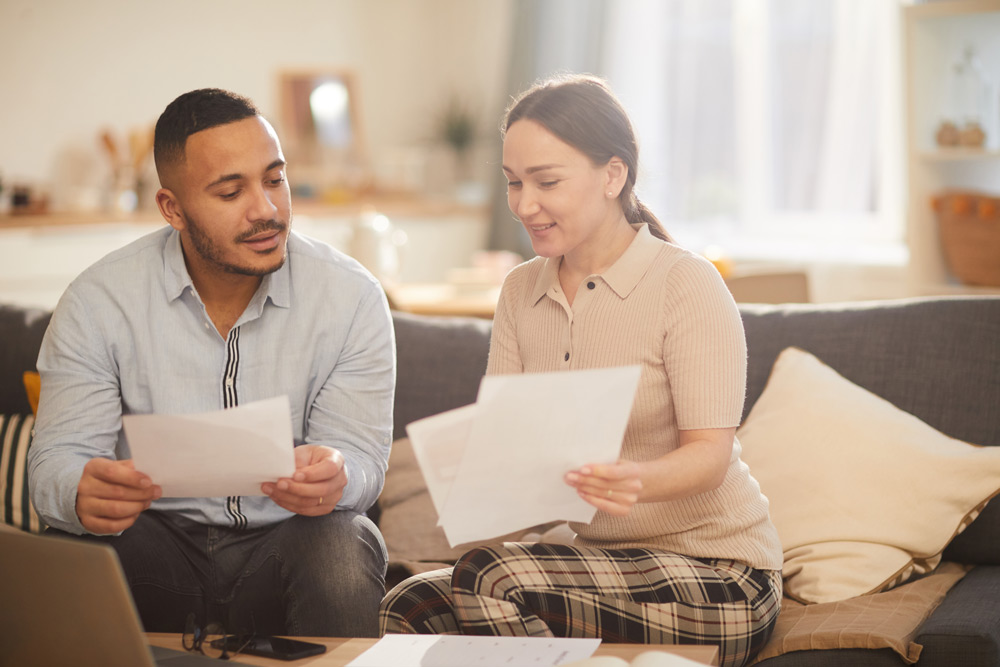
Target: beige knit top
668	310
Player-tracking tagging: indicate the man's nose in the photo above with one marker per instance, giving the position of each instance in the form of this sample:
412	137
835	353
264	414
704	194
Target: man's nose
263	206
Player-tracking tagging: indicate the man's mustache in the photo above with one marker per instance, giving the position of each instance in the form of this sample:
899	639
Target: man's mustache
261	227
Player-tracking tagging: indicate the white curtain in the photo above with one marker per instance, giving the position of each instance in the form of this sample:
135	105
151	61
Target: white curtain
751	113
548	37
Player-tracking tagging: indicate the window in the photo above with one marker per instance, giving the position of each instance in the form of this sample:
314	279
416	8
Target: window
763	122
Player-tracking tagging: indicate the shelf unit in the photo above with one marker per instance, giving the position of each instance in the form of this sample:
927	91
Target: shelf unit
934	34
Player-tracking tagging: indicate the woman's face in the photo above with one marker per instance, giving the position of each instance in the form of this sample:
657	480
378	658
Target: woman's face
556	192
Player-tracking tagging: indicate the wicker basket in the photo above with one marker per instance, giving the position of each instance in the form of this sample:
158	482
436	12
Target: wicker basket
969	225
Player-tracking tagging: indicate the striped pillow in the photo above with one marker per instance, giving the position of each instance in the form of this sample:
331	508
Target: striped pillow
15	438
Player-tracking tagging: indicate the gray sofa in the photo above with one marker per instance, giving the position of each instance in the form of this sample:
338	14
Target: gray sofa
937	358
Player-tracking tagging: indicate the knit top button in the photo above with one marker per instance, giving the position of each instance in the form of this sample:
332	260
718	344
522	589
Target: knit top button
566	358
591	285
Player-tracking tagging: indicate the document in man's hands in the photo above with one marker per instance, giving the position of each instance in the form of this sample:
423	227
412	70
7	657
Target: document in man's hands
497	465
212	454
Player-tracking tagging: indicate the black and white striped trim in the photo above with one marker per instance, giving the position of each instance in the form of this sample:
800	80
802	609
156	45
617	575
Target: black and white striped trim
230	399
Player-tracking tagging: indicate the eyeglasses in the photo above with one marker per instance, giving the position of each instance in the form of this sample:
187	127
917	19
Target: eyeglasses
212	640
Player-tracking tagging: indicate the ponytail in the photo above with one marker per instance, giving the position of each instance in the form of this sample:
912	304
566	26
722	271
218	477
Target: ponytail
637	213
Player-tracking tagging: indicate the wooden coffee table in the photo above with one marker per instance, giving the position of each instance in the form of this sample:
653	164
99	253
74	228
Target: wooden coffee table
340	651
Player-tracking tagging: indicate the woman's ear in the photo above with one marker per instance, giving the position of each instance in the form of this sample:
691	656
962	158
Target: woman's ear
170	208
617	174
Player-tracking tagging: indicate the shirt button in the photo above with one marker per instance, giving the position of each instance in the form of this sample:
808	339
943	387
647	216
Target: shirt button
566	358
591	285
207	325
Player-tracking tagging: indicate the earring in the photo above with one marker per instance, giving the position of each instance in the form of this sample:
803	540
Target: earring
611	194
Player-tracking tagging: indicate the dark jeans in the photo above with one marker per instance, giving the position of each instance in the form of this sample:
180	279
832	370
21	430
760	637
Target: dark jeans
307	576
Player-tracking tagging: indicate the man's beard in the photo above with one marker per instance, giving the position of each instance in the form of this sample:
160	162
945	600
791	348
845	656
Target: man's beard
206	247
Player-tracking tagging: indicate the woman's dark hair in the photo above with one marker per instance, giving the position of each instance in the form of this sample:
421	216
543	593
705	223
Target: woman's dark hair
582	111
193	112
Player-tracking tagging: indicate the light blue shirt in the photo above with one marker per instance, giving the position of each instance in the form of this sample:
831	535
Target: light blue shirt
131	336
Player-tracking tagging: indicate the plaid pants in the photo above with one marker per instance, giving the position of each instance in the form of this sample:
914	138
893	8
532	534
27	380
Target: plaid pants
644	596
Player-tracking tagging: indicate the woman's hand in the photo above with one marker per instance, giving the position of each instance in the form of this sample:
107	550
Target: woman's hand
613	488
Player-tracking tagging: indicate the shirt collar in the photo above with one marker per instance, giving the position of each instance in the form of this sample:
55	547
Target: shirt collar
275	286
623	275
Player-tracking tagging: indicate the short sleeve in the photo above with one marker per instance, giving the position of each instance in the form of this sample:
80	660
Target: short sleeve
704	348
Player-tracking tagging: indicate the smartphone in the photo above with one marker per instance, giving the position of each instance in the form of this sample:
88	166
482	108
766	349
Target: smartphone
273	647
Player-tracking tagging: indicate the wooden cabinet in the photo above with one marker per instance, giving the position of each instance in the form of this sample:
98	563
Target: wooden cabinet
935	35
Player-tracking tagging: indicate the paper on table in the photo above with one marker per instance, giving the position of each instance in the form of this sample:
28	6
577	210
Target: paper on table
524	433
462	651
212	454
644	659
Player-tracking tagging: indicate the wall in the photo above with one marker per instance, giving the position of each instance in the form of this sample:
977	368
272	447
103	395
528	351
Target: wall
69	69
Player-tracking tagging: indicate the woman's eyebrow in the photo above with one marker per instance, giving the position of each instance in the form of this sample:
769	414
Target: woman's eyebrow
532	170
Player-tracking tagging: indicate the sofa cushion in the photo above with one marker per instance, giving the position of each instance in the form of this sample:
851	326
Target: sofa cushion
936	358
965	629
884	620
21	330
864	495
439	363
15	507
32	389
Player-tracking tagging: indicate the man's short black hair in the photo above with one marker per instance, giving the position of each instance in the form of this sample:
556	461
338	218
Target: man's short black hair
193	112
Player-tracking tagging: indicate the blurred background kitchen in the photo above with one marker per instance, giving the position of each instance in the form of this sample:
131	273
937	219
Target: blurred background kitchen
820	150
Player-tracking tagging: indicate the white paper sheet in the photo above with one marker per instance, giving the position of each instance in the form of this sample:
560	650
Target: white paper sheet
461	651
213	454
438	443
523	434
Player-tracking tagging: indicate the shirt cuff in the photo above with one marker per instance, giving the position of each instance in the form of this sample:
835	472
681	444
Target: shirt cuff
357	485
57	506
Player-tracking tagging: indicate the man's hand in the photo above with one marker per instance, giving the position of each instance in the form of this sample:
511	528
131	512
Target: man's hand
613	488
111	495
317	485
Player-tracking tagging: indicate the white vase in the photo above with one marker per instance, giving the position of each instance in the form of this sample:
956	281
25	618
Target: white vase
377	245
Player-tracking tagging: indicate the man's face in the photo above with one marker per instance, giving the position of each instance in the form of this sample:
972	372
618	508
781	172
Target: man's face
235	204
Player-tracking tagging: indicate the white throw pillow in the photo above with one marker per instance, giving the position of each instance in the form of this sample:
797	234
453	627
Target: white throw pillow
863	494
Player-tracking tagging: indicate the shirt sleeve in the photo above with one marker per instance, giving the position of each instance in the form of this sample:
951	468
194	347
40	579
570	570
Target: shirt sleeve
505	354
705	348
79	411
353	411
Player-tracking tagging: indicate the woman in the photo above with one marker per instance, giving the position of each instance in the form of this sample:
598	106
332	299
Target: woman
681	549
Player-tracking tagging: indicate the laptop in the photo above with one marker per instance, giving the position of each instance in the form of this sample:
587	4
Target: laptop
66	602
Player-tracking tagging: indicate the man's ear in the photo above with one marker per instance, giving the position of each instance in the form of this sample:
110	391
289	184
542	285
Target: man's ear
170	208
617	174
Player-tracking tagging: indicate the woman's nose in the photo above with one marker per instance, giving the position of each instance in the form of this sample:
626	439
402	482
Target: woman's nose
525	205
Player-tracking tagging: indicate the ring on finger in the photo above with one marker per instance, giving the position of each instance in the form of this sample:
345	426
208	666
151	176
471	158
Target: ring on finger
320	501
609	494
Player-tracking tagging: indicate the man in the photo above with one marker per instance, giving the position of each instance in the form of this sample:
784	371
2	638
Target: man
225	306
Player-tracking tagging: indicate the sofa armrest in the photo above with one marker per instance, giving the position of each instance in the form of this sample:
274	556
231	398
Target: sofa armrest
965	628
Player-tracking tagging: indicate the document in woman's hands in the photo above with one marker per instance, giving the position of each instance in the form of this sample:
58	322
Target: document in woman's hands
497	466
